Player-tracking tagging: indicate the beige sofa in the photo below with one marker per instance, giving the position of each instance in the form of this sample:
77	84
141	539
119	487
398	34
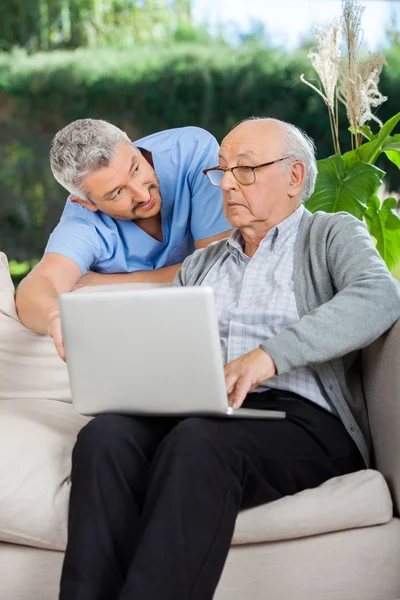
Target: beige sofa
340	541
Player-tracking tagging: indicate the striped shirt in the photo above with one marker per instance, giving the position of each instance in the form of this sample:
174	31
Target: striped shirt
255	300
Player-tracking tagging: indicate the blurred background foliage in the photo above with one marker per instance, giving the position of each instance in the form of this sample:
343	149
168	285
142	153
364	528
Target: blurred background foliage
144	65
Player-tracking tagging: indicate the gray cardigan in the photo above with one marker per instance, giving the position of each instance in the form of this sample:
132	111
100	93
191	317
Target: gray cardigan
346	298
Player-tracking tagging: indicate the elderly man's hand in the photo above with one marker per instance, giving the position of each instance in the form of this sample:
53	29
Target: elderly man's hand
246	373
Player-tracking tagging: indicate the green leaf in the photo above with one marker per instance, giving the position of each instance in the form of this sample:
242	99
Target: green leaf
370	151
394	156
392	142
365	130
388	127
392	149
344	187
350	158
384	224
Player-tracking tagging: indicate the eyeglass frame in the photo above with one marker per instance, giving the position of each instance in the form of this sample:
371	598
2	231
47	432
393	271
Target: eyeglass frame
232	169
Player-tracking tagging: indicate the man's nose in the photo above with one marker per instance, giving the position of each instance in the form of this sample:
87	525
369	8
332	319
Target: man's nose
140	193
228	181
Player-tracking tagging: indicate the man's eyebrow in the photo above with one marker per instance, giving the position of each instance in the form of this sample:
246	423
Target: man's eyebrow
248	154
111	192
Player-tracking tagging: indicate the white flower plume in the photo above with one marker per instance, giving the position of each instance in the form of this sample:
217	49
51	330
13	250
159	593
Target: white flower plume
325	59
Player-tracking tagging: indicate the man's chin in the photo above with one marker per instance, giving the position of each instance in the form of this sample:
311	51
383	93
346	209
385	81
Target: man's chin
236	222
148	214
130	217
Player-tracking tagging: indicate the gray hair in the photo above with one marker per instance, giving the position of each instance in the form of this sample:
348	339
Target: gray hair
80	148
299	146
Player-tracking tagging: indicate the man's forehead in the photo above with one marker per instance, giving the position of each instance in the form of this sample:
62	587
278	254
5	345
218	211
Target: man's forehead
242	148
253	139
123	155
108	176
252	136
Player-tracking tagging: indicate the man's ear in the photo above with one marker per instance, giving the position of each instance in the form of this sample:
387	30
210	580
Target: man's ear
296	178
85	203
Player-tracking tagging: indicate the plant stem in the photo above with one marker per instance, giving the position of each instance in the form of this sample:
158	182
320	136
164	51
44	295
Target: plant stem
337	122
332	130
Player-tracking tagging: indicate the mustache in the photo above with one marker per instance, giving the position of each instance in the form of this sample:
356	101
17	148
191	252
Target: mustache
151	187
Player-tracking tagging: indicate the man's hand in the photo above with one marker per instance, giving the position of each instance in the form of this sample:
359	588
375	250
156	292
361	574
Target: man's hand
54	330
246	373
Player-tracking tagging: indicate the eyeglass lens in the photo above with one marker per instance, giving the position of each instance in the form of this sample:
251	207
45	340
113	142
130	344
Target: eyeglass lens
244	175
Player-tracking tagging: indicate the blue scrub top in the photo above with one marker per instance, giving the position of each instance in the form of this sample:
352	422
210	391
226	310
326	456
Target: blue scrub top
191	210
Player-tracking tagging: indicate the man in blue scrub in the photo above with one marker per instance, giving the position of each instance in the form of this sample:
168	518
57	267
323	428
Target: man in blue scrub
134	213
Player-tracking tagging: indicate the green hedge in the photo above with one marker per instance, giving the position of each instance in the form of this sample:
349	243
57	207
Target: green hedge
142	91
212	87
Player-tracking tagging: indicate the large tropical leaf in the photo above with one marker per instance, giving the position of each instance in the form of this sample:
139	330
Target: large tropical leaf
370	151
344	187
384	225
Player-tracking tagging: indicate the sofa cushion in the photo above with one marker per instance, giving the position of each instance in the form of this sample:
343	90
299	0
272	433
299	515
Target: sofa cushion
360	564
36	441
29	364
356	500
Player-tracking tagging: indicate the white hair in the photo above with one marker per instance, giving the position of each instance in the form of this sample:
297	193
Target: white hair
80	148
299	146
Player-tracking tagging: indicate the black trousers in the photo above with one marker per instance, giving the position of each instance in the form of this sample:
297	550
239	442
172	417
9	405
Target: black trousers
154	500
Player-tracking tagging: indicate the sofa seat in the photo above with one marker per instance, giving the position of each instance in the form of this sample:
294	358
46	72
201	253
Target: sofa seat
36	442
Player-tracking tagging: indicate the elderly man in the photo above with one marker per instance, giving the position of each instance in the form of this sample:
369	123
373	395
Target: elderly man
134	213
154	501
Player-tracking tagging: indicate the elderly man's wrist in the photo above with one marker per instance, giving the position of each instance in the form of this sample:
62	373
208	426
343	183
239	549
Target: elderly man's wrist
269	356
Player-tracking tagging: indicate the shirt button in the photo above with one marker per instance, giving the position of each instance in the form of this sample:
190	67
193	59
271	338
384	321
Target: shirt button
254	267
246	298
236	341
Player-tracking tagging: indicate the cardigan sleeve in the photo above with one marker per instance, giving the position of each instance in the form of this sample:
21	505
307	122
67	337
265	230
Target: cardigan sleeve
366	304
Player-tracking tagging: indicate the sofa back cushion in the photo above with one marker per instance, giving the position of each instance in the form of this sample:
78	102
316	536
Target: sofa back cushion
30	367
36	442
381	374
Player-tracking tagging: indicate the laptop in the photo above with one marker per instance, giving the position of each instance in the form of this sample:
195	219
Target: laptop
147	350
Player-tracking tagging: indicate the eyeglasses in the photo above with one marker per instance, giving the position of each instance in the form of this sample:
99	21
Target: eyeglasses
243	175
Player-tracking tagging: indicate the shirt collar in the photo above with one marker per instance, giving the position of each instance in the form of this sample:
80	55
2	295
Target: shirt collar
234	245
286	228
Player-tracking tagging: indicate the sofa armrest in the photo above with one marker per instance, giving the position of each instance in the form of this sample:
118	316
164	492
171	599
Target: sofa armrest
381	378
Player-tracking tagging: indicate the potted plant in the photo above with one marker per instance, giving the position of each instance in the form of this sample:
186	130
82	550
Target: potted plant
350	181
